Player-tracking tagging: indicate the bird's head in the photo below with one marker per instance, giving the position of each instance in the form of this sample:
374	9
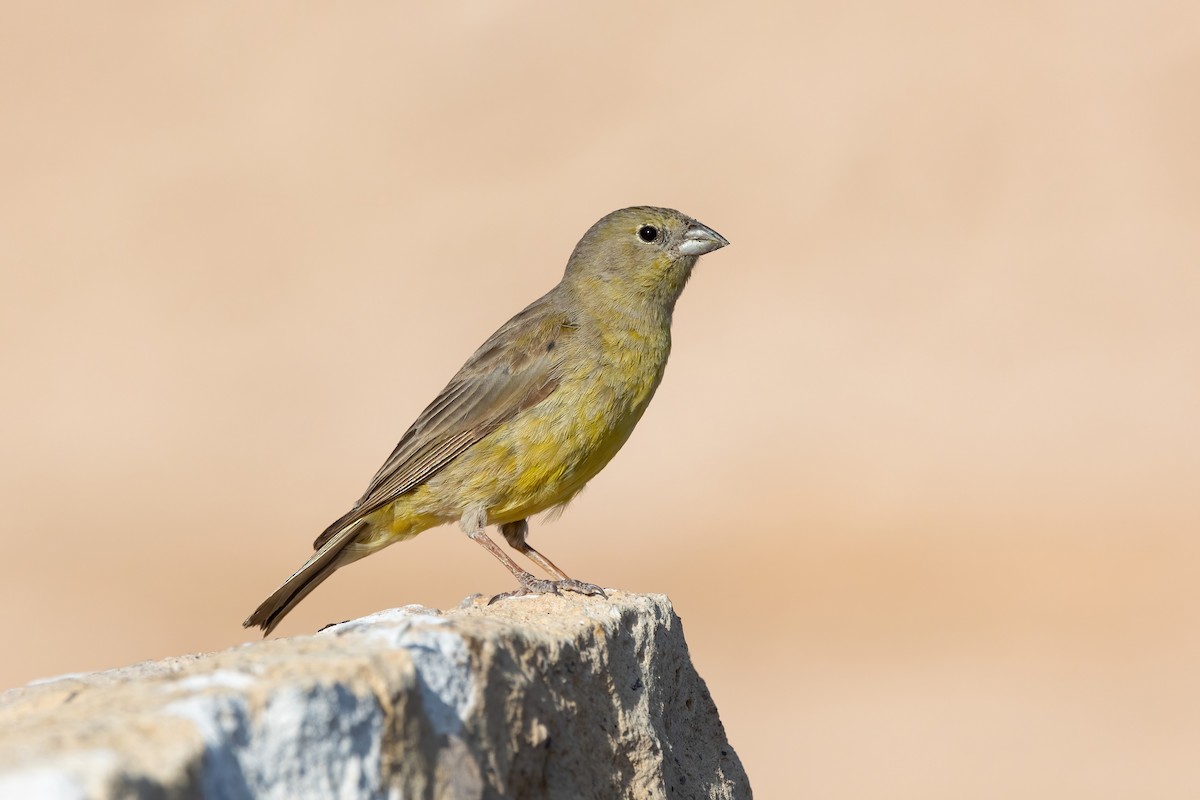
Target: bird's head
640	255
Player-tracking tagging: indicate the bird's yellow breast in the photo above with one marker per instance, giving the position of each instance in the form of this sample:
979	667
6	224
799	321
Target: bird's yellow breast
545	455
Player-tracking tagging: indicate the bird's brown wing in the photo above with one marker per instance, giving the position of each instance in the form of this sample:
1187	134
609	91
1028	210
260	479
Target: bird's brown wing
515	369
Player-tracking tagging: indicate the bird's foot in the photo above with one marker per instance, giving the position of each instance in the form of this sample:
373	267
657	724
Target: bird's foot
531	585
579	587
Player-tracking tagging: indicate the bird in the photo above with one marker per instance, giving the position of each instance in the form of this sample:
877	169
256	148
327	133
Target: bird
534	414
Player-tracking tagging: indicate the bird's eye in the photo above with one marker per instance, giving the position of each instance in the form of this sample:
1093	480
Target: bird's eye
647	233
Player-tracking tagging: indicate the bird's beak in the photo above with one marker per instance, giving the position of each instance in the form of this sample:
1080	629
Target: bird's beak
700	239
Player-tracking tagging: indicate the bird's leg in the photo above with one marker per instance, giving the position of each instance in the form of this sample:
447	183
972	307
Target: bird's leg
473	523
514	534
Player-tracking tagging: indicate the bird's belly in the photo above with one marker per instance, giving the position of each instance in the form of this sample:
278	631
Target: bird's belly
545	456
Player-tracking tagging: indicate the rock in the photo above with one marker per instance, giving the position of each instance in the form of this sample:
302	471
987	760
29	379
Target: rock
538	697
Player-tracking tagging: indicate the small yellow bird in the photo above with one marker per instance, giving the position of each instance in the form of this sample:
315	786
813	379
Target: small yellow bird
534	414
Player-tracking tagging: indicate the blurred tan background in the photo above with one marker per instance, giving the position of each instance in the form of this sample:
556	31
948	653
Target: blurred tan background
923	479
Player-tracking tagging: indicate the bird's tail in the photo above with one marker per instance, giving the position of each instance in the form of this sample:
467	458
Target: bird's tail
333	553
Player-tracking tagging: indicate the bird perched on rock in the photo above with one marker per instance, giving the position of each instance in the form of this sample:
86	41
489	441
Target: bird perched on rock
534	414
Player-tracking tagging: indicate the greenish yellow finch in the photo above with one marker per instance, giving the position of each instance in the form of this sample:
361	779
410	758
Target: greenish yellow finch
535	413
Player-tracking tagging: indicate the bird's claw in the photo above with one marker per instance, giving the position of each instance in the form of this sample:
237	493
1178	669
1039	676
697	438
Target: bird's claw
531	585
579	587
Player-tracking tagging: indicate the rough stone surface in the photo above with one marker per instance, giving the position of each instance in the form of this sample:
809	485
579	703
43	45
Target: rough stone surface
539	697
